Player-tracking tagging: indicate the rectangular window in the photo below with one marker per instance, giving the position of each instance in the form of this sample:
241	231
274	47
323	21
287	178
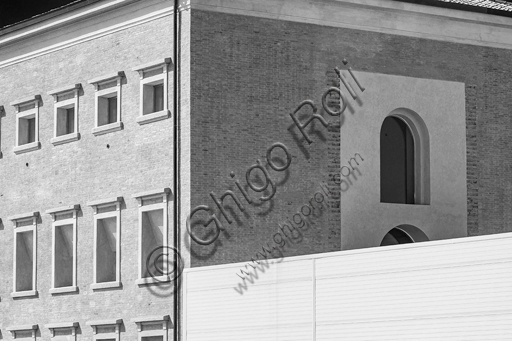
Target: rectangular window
107	224
106	250
152	236
158	97
153	91
108	103
26	129
65	121
106	330
64	249
66	114
153	328
63	331
24	261
23	332
107	109
25	254
112	109
152	239
63	256
31	129
27	124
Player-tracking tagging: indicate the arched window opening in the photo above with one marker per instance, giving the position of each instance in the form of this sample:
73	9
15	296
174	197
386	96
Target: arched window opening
397	183
395	237
404	234
404	159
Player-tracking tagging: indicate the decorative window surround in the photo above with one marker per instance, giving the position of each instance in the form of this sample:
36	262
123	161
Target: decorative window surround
143	322
64	217
105	210
25	223
72	326
30	327
105	89
66	99
101	335
153	76
27	124
152	204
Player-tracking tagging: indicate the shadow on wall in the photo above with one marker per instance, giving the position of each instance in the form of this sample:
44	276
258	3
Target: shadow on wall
292	230
212	226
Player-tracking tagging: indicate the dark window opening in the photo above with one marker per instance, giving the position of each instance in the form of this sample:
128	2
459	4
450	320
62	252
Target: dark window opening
396	162
107	110
64	256
152	98
158	97
395	237
27	130
31	130
24	261
112	110
65	121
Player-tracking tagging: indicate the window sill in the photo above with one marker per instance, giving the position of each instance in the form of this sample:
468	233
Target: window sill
105	285
153	117
56	291
107	128
151	280
65	138
26	293
28	147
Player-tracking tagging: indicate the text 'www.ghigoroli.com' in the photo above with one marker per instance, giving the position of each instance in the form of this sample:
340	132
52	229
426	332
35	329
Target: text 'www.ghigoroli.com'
268	188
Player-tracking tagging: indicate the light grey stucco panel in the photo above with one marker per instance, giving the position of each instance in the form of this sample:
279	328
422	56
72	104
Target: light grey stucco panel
441	106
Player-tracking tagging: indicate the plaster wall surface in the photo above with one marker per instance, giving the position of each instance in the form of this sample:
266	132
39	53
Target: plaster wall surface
136	159
364	219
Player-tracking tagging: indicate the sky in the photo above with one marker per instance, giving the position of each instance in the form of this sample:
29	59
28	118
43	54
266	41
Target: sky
13	11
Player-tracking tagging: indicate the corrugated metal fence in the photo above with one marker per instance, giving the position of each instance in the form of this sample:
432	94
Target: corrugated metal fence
458	289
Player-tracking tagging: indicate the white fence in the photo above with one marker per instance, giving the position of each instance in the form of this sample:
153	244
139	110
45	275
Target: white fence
457	289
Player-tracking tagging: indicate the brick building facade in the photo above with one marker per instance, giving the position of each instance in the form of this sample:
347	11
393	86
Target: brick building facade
242	68
105	166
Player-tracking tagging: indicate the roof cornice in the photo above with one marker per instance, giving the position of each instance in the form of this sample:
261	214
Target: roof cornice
58	18
98	19
383	16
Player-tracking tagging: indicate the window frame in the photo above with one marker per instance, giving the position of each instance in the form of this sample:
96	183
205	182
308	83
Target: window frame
62	104
105	323
164	320
63	325
33	227
56	223
14	329
98	82
159	78
163	193
98	204
24	114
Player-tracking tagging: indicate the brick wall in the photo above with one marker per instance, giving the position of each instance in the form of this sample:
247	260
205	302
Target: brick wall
249	73
135	159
